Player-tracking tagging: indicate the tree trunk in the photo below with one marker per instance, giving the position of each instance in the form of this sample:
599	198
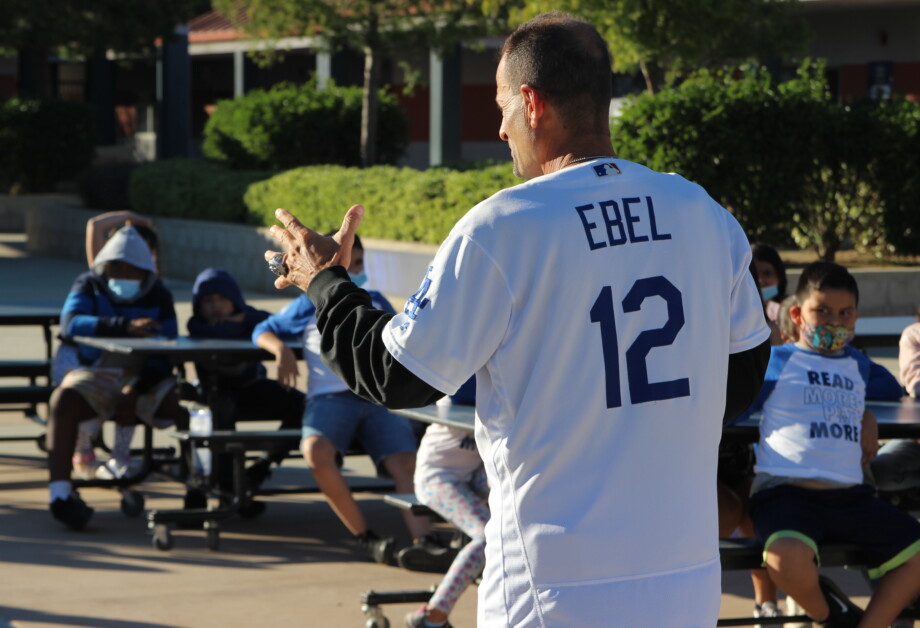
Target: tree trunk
651	72
370	102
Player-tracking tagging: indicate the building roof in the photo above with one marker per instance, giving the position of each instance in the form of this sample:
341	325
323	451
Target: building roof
213	26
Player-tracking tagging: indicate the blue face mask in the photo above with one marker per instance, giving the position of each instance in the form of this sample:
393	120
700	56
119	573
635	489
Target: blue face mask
360	279
768	292
125	289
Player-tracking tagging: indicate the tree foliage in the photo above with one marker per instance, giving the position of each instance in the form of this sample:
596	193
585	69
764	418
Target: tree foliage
374	27
666	39
786	158
35	29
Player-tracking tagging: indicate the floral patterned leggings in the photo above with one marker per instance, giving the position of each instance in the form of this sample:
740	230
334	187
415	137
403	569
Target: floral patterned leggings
463	504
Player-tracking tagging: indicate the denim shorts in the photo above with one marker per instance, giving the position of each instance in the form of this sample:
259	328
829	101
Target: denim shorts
344	418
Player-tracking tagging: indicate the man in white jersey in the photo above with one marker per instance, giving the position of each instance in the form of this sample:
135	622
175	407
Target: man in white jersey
604	309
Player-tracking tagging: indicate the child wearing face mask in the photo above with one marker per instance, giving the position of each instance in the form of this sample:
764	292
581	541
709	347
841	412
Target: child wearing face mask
771	278
98	230
121	296
815	437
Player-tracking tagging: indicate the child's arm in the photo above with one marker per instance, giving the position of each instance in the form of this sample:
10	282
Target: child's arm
869	437
909	358
284	357
98	226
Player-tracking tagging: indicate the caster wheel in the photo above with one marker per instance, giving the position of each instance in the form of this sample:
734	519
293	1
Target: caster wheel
162	539
378	623
213	539
132	503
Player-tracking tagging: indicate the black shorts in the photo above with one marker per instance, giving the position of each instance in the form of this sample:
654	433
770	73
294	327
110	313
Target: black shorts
888	536
736	463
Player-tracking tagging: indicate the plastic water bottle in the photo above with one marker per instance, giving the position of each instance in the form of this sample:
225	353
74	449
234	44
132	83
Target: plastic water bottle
200	424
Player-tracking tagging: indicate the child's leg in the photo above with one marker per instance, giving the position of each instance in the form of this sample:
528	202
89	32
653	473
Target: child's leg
401	468
895	590
68	409
459	503
764	588
791	566
320	455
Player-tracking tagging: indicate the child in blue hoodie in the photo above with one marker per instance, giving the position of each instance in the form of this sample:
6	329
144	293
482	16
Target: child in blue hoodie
220	311
121	296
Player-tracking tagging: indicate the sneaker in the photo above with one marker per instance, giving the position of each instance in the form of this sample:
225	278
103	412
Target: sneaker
416	619
843	612
85	466
767	609
115	469
72	512
257	473
427	555
380	550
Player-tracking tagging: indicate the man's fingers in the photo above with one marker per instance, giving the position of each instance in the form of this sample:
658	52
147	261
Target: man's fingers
345	236
281	283
350	223
293	225
284	237
270	254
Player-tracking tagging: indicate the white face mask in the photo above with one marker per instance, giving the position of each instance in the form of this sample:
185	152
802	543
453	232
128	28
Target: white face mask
125	289
768	292
360	279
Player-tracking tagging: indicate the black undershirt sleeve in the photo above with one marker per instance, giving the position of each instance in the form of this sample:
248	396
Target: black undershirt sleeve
746	370
352	344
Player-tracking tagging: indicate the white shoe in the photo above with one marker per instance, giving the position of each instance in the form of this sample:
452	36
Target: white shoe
767	609
115	469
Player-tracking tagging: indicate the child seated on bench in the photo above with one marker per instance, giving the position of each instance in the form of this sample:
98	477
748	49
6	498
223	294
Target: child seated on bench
815	435
335	417
220	311
122	296
451	480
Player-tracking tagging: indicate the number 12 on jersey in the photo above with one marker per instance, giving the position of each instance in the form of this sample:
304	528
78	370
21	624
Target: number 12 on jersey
640	389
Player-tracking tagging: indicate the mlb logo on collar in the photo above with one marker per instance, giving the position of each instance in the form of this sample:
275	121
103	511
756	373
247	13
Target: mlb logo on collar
602	170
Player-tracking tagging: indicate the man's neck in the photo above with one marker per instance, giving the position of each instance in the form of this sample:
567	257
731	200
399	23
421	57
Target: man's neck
577	154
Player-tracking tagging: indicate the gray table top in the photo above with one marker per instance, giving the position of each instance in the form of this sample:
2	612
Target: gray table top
896	419
182	348
459	416
29	315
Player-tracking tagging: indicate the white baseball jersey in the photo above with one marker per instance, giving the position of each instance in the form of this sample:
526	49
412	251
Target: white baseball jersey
813	408
597	307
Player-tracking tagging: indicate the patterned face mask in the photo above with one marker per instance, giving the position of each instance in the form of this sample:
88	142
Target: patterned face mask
826	337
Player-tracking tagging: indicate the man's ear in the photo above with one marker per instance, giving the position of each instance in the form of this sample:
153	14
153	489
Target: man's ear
534	105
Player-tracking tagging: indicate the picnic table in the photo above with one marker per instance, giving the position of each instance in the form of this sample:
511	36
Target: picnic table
26	397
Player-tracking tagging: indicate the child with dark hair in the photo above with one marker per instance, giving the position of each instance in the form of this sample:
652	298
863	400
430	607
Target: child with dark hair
771	277
815	436
220	311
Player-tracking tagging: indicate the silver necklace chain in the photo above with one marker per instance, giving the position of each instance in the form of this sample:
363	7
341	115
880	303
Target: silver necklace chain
580	159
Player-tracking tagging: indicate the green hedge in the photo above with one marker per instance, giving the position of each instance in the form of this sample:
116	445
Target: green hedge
296	125
45	141
401	203
787	158
193	188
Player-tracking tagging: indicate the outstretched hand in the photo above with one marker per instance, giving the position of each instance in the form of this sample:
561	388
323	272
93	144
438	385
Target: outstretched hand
308	252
